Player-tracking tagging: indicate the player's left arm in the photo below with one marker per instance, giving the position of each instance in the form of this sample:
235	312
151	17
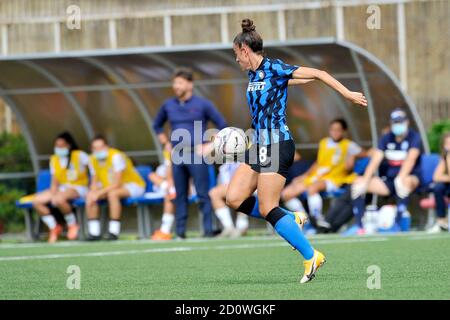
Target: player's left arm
305	73
294	82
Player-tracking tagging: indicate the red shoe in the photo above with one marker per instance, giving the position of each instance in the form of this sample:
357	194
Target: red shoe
72	231
54	233
159	235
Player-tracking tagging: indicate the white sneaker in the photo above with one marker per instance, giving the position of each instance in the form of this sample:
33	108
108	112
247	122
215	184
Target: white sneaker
226	233
237	233
436	228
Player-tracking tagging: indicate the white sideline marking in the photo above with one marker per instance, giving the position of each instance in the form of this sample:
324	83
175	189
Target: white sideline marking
442	235
178	249
66	244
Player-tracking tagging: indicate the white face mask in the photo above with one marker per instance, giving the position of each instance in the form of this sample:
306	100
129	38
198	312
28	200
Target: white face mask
61	152
399	129
101	155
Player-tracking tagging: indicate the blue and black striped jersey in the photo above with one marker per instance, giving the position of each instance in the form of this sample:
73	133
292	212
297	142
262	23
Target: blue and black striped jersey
267	98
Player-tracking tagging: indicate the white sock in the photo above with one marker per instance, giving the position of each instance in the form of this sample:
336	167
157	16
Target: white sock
242	221
224	216
294	205
114	227
49	220
315	205
167	222
70	219
94	227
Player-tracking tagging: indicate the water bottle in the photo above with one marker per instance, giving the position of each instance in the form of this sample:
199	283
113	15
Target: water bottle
448	217
371	219
405	221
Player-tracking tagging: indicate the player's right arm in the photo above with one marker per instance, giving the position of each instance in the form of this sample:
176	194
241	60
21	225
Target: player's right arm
54	185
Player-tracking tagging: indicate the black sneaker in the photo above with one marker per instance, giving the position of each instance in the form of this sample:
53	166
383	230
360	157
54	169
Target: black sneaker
112	237
93	238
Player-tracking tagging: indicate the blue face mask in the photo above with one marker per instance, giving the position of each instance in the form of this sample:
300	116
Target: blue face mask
101	155
61	152
399	129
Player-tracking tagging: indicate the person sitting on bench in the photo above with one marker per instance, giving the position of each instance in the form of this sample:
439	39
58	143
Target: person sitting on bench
441	178
113	178
68	168
400	149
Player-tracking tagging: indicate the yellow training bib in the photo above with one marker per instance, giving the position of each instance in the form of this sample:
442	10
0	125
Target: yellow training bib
74	175
331	164
104	170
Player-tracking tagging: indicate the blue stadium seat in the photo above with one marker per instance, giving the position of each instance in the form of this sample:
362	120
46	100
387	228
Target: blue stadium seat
361	165
44	180
428	165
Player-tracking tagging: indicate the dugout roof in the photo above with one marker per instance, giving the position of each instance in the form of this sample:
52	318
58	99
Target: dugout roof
118	93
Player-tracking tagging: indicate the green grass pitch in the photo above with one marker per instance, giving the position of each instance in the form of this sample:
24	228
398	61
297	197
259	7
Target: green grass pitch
412	266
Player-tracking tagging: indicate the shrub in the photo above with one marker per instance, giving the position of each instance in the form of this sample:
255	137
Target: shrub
435	133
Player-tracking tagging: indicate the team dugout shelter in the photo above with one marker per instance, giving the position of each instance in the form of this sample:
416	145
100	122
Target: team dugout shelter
118	93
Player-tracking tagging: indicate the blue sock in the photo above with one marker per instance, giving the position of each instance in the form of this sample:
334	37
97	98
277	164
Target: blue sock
358	209
255	212
402	205
289	231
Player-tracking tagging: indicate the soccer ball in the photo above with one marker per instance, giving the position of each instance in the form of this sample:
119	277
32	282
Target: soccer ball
230	142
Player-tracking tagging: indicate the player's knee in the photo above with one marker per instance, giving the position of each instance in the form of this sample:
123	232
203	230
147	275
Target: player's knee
36	202
58	201
113	195
233	201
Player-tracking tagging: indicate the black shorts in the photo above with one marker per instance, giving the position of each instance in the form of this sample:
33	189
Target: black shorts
277	157
389	182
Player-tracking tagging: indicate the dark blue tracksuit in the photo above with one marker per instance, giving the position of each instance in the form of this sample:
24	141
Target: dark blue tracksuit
182	116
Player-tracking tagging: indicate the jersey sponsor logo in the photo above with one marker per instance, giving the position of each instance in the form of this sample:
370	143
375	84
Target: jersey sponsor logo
404	145
256	86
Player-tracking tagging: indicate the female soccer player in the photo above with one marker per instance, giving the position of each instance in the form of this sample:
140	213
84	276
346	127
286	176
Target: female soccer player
274	147
68	168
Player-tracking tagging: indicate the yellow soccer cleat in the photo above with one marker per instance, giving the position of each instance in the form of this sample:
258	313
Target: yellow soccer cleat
300	218
312	265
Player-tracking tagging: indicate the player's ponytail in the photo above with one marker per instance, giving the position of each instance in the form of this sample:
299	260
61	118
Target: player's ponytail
250	37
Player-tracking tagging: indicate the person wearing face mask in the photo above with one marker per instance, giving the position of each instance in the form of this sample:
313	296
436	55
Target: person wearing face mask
113	178
441	189
399	153
333	168
68	168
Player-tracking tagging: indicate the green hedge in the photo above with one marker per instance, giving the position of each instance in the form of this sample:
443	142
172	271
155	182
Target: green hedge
435	133
11	218
14	157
